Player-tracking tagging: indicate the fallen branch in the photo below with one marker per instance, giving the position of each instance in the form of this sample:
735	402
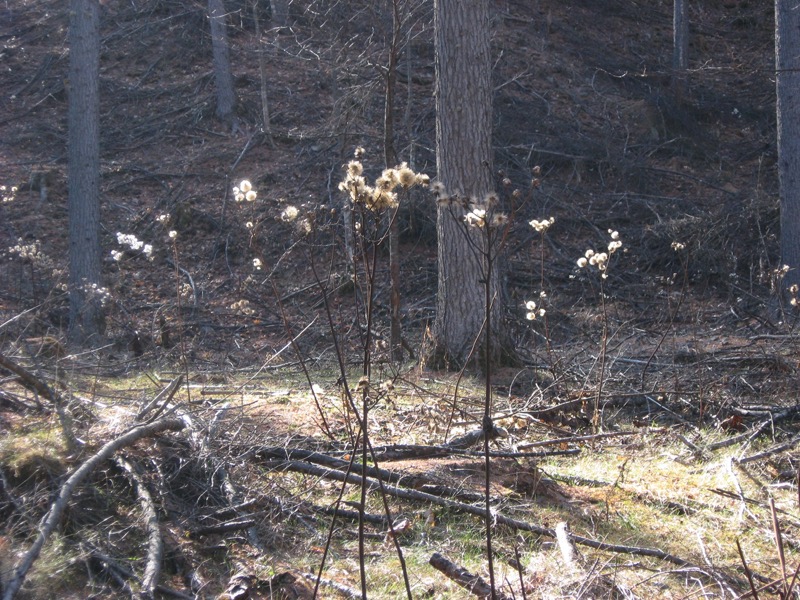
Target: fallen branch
407	480
239	586
29	380
236	525
53	516
474	584
166	394
770	451
342	589
15	403
479	511
233	496
760	428
120	573
155	545
412	451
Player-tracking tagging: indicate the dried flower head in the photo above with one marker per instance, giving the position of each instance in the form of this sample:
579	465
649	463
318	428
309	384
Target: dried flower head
10	197
289	214
354	168
437	187
391	176
385	182
381	196
499	220
242	307
491	199
476	217
532	311
599	260
406	177
543	225
381	199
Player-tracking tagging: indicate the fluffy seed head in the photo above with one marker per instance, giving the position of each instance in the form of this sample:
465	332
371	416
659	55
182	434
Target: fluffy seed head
406	177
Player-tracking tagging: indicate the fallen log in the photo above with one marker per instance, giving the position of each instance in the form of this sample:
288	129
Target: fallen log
474	584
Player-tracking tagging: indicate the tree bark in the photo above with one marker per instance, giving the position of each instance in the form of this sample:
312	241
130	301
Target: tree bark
223	76
262	71
463	161
680	47
390	158
787	66
280	12
87	323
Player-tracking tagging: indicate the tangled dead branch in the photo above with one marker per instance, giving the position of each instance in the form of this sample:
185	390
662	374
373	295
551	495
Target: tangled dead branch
53	517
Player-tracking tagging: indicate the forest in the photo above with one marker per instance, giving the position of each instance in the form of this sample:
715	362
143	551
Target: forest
398	298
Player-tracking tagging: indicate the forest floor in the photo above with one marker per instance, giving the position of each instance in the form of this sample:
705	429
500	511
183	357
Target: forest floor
654	412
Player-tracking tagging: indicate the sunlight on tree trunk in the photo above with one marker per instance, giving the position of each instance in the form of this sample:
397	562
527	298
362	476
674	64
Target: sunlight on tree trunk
787	64
86	317
463	161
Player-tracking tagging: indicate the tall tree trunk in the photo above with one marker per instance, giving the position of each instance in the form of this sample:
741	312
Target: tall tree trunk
262	71
223	76
463	161
787	66
280	12
83	124
680	47
390	158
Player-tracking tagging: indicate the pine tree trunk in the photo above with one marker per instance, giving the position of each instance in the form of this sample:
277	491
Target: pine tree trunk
463	161
83	123
280	12
390	158
680	48
787	64
223	77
